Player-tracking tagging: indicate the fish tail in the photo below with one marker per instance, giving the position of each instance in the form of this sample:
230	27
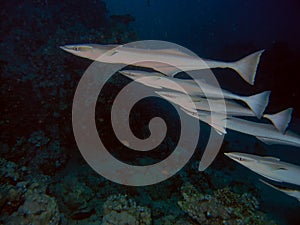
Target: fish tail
281	119
247	66
257	103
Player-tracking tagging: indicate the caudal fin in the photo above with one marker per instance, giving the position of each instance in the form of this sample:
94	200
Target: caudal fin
257	103
247	66
281	119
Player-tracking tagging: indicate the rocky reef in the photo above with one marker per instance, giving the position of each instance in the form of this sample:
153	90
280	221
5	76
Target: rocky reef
23	198
121	210
38	208
85	198
74	198
221	207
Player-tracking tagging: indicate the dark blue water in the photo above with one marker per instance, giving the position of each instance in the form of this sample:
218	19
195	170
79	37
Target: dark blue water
228	30
209	26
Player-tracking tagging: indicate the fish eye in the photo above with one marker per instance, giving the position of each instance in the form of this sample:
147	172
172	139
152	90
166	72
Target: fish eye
82	48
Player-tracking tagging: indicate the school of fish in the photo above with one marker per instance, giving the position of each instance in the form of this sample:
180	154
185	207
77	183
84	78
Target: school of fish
209	101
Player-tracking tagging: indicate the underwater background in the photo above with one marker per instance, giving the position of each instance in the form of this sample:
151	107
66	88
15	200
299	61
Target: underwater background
43	177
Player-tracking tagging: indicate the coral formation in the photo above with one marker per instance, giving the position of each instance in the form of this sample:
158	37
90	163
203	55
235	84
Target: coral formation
222	207
23	199
120	210
38	208
39	152
73	198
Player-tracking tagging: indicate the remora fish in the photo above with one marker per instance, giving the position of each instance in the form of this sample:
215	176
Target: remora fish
269	167
257	103
280	120
287	191
152	58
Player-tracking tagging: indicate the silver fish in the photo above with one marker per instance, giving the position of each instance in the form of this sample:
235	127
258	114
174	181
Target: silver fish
287	191
257	103
262	131
269	167
280	120
150	58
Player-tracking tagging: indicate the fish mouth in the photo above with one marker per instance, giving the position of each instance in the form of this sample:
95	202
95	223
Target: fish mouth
233	156
238	157
63	47
67	48
76	48
228	154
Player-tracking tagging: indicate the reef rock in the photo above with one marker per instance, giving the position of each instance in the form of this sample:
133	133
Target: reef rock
222	207
38	208
120	210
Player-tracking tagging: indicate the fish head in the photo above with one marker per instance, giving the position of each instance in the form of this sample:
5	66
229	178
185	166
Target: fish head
89	51
134	74
244	159
78	49
149	81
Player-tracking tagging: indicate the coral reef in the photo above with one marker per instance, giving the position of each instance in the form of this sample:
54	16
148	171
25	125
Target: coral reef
23	199
172	220
120	210
8	171
38	208
74	198
222	207
39	152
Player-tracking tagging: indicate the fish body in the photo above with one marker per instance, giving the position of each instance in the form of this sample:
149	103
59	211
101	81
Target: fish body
257	103
229	108
269	167
211	99
287	191
262	131
225	106
163	60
